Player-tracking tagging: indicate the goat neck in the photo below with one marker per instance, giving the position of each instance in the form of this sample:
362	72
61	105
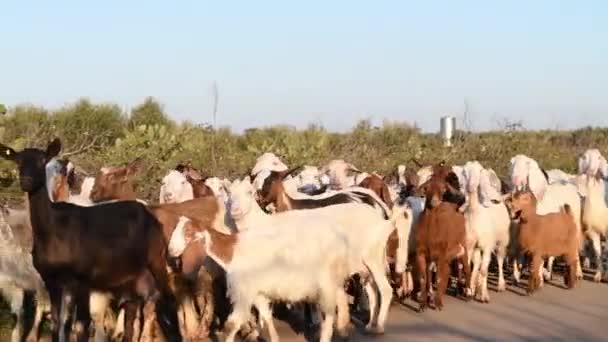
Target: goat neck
40	207
284	201
219	247
254	217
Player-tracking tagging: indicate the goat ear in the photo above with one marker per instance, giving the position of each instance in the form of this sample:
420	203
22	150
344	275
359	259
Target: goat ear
7	152
53	149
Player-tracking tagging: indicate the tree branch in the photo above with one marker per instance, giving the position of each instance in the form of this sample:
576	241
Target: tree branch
84	147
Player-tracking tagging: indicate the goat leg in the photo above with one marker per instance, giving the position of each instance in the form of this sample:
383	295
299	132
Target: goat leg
597	247
534	281
443	279
422	274
571	277
465	283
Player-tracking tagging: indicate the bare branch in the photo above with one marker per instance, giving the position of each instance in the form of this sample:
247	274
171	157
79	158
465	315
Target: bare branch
84	147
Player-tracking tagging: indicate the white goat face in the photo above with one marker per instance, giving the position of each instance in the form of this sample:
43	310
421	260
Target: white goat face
592	162
175	188
242	198
217	186
524	171
472	175
519	170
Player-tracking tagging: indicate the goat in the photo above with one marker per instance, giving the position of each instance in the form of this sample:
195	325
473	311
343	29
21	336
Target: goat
115	182
595	212
525	172
377	185
17	275
488	224
309	261
338	171
178	186
366	230
440	237
79	249
18	221
196	180
552	234
285	197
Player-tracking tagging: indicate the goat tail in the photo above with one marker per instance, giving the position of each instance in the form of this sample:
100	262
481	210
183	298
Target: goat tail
568	211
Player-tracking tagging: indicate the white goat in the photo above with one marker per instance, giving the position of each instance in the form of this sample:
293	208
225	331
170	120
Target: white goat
308	261
592	170
487	228
338	171
525	172
367	234
595	218
405	215
218	186
175	188
17	274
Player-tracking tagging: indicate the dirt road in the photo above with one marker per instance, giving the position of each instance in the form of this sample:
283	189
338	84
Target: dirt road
552	314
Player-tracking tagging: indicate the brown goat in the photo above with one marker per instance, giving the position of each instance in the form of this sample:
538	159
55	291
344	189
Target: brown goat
115	182
553	234
377	185
440	238
194	177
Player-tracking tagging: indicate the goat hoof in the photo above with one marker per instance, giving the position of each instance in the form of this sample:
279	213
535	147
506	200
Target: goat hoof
598	277
375	330
421	308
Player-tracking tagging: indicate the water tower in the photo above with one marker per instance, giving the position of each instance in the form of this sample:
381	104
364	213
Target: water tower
446	129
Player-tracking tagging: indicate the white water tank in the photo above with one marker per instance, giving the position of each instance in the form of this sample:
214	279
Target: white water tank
446	129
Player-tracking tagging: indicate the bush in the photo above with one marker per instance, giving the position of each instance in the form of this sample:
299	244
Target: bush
102	135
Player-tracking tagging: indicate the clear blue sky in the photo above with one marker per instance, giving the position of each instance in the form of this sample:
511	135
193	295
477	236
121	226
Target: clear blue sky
332	62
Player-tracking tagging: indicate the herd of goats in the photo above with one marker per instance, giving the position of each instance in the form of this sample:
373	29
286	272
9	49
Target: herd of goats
218	255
